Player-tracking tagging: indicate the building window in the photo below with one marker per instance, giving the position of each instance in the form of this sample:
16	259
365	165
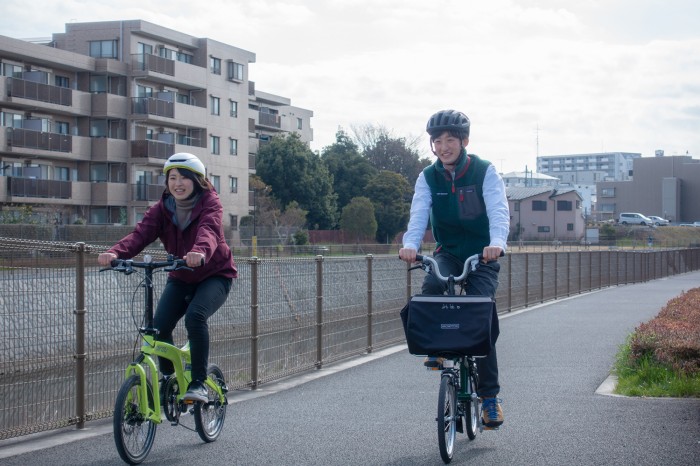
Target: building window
607	192
233	146
233	184
103	48
216	182
516	206
61	81
543	229
234	108
300	123
565	205
184	57
215	104
215	65
61	127
233	221
235	71
214	144
539	206
569	227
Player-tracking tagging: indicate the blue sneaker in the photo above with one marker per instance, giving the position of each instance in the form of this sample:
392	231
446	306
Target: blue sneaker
492	414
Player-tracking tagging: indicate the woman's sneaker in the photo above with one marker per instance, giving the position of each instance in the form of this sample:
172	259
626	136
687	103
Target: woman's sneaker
492	414
196	391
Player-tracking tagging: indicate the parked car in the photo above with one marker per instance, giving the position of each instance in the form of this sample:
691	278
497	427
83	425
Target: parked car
658	221
633	218
694	224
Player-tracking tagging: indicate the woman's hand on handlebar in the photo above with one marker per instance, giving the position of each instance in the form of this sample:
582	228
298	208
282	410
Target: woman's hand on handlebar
105	259
194	259
491	253
408	255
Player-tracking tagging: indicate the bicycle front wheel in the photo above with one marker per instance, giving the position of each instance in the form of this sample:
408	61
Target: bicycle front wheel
472	407
447	418
209	416
133	433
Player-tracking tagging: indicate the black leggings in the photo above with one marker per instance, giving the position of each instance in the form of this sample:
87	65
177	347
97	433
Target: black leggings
196	302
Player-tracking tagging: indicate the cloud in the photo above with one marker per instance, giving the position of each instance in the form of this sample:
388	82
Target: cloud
535	76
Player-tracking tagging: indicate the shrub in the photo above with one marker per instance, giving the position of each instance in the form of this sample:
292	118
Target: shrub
672	338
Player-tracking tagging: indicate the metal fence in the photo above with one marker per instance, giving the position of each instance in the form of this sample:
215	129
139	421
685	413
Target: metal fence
69	330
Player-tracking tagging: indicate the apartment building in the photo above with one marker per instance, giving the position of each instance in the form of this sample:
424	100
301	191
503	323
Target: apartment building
89	117
665	186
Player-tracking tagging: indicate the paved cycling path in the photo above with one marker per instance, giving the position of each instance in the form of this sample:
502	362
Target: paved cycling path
380	409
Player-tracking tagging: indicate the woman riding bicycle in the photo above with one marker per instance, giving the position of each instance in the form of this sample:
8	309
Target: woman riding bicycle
188	221
465	199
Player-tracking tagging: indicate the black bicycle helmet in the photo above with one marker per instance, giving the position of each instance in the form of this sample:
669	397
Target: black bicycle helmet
448	120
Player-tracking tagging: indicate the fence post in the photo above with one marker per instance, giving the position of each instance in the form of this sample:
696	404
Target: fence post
319	312
80	336
510	282
254	305
369	303
542	277
527	279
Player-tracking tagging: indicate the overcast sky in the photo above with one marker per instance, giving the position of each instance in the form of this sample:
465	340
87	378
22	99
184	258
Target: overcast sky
545	77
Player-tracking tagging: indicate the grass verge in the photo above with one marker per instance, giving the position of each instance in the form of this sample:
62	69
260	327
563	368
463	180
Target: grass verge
661	358
646	377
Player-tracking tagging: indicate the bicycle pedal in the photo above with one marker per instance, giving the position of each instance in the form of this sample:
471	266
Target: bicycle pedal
491	428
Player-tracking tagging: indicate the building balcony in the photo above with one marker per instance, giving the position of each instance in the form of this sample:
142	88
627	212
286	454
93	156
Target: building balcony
52	145
149	106
170	72
147	148
25	138
45	97
269	120
37	188
146	192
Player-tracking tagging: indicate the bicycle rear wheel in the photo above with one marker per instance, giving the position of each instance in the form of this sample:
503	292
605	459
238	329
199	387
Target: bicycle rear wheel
209	416
133	433
447	417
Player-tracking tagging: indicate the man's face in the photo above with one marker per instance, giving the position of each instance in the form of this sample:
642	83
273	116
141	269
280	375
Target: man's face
447	148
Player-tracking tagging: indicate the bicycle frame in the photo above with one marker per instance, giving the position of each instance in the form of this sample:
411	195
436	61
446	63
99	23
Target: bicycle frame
145	365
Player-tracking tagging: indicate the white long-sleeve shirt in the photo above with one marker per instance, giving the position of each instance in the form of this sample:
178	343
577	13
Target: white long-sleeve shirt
496	209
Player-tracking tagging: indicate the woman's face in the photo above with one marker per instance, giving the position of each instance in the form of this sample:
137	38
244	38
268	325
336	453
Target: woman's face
179	186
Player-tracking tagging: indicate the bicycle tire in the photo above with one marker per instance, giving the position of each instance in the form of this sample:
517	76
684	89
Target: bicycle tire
133	434
447	418
209	417
473	409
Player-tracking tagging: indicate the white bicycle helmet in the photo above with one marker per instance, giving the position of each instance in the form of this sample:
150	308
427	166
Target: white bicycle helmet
185	160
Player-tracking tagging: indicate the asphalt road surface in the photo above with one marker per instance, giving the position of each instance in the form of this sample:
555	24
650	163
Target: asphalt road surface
379	409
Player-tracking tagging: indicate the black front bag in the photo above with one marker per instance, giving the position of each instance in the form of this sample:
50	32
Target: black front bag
446	325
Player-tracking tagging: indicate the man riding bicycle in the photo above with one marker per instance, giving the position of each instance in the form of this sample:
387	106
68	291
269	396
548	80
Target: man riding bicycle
464	198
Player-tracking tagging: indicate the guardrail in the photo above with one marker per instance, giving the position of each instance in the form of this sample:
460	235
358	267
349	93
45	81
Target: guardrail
68	331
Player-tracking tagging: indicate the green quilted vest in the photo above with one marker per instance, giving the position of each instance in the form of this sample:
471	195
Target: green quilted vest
458	215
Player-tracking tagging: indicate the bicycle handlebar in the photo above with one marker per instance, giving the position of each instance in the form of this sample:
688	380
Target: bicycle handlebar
126	266
469	265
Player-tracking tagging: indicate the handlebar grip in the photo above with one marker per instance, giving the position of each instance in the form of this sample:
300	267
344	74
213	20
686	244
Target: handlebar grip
419	258
114	262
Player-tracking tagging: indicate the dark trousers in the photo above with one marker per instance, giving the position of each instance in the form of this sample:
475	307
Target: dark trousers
196	302
483	282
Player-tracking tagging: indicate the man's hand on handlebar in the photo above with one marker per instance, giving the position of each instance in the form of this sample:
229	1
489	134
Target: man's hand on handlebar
408	255
491	253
